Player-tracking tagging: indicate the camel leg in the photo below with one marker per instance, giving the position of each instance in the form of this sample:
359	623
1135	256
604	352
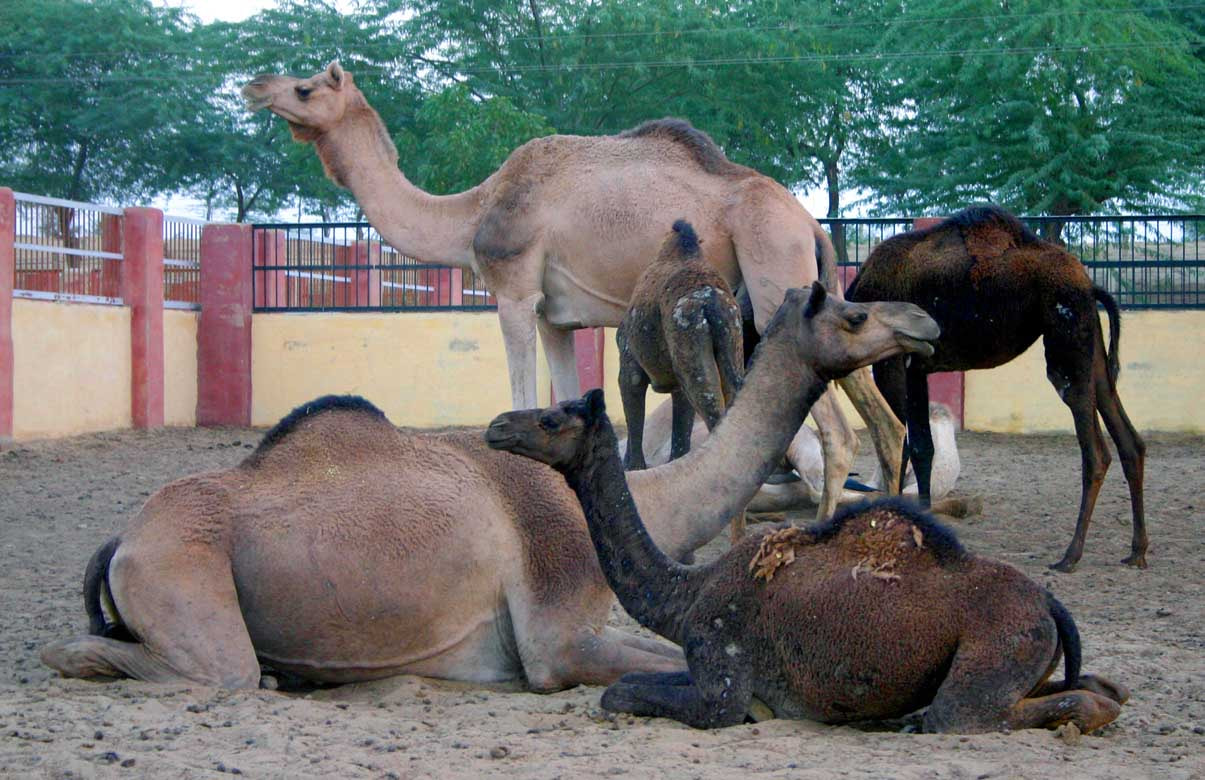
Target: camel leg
594	657
518	320
1132	451
886	430
1072	379
683	424
1100	686
562	360
720	695
184	608
839	444
653	646
633	388
920	436
891	378
1087	710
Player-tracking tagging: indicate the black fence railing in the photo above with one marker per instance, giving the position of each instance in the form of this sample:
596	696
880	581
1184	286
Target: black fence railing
1145	262
345	266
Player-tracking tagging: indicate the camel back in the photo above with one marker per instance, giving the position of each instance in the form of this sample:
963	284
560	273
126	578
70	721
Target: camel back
705	151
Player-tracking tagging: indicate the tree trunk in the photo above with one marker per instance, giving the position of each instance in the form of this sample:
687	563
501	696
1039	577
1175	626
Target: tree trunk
832	179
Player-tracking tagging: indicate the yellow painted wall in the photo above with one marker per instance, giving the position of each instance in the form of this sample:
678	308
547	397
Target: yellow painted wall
71	368
1162	380
180	367
421	369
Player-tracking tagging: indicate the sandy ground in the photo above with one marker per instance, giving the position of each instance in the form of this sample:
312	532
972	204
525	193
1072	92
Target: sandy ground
60	499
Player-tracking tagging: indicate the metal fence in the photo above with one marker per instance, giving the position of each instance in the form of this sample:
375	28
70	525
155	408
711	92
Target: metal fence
182	262
345	266
1145	262
71	251
67	250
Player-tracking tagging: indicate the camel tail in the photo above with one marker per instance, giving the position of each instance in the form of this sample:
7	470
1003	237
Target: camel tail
1068	638
1113	357
96	588
826	264
727	339
688	240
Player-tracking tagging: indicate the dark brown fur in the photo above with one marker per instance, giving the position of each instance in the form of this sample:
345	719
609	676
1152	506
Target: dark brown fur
682	333
994	287
880	612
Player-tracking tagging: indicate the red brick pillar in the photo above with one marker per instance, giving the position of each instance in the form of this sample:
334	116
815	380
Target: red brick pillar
588	345
8	269
224	330
365	285
142	291
948	387
271	287
456	287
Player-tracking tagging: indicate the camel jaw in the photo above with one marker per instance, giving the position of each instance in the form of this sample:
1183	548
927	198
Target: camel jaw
919	346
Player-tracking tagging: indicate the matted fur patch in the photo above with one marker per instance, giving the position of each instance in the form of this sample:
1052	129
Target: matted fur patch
777	549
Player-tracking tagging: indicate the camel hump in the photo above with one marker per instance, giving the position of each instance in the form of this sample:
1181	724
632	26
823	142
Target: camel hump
988	215
706	152
924	531
688	240
307	411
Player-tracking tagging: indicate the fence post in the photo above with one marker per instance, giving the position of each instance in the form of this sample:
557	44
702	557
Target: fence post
588	346
456	283
224	329
947	387
8	266
142	291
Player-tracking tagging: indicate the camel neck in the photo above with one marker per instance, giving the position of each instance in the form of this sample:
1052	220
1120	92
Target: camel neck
431	228
654	589
690	500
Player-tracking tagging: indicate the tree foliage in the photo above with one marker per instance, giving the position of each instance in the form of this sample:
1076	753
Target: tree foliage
1067	108
1062	108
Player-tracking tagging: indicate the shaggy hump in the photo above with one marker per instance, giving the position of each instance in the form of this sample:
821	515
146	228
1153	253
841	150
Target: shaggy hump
986	214
688	240
326	403
939	539
705	151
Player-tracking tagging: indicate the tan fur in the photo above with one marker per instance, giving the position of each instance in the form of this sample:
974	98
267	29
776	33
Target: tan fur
563	229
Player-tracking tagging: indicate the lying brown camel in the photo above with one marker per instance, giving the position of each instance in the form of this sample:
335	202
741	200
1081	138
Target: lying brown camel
343	549
682	333
995	287
872	615
562	230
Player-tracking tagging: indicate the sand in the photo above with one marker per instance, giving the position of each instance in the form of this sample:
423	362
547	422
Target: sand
1145	629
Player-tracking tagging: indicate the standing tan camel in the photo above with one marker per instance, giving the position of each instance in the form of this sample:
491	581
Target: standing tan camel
343	549
995	287
563	229
874	614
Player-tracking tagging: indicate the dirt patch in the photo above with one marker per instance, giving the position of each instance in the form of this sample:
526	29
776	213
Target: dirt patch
60	499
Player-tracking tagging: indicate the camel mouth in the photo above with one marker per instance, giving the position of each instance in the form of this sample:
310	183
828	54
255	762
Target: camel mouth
499	437
920	346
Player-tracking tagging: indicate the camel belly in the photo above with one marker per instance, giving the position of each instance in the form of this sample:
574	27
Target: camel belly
331	616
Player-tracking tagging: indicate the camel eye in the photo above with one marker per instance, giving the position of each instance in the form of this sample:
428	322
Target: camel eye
303	92
547	422
857	320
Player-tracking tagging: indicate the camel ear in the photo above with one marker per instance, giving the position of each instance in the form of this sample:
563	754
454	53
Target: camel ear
815	301
334	72
595	404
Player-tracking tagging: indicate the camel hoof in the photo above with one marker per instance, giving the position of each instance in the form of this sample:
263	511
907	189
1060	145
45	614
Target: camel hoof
1105	687
1137	560
1064	566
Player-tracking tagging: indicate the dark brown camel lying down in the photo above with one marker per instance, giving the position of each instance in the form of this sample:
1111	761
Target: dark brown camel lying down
874	614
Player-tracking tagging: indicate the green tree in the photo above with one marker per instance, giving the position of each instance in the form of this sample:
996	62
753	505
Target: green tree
1067	108
92	96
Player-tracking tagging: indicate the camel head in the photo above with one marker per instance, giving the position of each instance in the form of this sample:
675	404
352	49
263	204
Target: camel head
834	337
554	435
311	106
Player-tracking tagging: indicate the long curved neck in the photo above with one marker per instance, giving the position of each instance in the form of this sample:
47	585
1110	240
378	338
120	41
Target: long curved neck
654	589
359	155
689	501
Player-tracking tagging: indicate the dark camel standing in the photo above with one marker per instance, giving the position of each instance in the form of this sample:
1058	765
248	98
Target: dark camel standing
873	614
682	333
995	287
